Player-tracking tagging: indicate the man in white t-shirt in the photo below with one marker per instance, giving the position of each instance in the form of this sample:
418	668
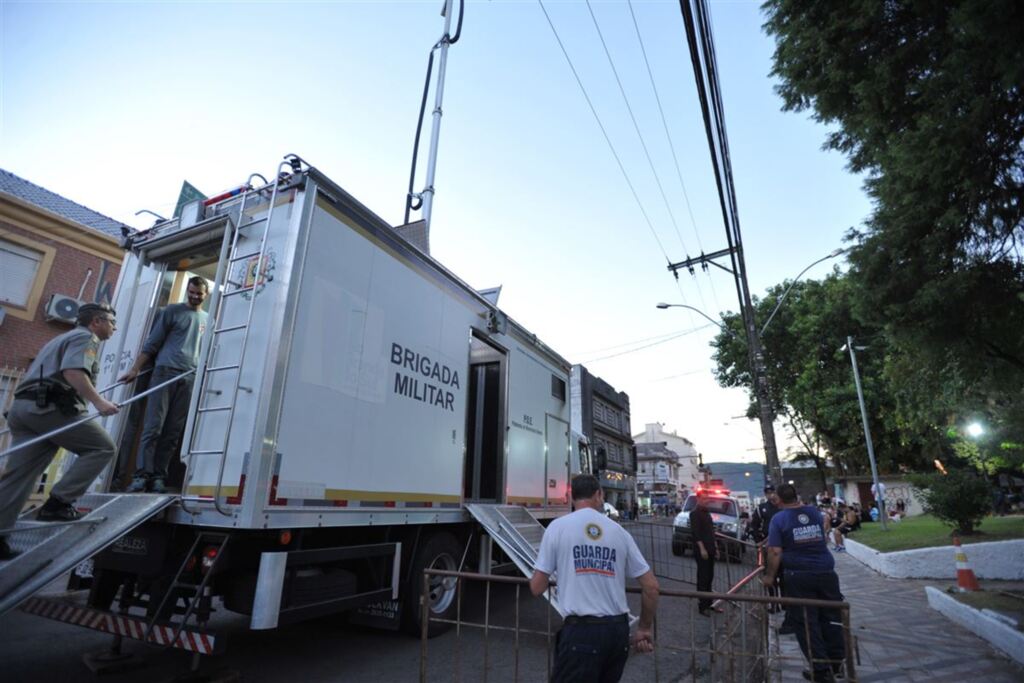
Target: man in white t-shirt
592	556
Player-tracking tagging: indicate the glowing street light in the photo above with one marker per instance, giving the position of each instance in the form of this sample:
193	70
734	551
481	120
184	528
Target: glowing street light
974	430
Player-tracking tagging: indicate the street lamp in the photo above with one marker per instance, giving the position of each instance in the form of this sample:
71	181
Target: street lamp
782	298
974	430
722	327
867	432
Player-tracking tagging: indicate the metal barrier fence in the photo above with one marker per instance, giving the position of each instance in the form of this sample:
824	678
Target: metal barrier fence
672	559
500	632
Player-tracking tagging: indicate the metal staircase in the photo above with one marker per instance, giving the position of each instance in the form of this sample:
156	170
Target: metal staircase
48	549
516	532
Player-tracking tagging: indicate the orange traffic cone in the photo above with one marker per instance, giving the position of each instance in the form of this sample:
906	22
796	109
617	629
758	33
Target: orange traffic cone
965	579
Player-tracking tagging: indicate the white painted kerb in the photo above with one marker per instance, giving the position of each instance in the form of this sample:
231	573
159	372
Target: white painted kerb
995	560
1007	639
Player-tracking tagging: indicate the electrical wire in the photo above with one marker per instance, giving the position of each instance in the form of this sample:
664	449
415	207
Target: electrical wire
656	337
604	132
643	145
675	157
647	346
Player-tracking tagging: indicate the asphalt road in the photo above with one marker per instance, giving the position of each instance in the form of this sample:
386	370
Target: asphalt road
43	651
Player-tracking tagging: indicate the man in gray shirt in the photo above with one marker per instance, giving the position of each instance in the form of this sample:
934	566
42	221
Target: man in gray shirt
174	343
52	395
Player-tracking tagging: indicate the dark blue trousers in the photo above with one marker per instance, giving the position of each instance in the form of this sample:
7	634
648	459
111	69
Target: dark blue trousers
818	630
591	652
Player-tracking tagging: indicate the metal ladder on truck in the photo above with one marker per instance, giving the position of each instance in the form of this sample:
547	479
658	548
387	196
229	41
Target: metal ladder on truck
518	533
225	289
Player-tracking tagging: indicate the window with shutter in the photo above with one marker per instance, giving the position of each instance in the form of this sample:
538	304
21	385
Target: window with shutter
18	268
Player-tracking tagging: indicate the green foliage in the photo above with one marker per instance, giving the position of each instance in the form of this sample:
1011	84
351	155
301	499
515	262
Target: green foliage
961	499
811	380
927	99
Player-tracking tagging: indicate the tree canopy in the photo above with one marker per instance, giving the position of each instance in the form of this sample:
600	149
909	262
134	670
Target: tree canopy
927	99
811	378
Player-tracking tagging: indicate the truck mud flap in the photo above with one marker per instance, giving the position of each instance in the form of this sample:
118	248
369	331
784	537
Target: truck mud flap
127	626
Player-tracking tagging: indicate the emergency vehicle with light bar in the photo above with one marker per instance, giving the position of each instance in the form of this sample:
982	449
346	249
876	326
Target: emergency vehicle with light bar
725	514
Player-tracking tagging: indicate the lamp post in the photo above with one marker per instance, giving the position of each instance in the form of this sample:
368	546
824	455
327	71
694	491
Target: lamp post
782	298
760	377
867	431
707	317
758	367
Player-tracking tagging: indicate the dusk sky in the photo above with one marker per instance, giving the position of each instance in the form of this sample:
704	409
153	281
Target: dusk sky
114	104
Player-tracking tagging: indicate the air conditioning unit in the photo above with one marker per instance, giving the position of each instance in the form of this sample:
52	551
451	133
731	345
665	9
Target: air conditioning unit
62	308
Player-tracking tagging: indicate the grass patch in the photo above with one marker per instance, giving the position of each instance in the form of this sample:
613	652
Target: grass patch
924	531
1010	603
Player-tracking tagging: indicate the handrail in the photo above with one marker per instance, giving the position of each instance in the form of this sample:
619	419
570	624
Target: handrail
759	599
91	416
98	391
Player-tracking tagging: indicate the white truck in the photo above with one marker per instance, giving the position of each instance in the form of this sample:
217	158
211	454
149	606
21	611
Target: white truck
359	414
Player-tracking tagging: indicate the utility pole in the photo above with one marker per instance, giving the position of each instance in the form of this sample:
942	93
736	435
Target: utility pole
755	352
867	433
705	71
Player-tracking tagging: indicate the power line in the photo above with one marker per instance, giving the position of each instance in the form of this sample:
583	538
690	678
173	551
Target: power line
643	143
647	346
656	337
604	132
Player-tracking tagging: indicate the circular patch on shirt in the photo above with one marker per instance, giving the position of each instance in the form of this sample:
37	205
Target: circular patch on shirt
593	532
803	518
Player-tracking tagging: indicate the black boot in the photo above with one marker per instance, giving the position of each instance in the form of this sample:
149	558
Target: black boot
56	510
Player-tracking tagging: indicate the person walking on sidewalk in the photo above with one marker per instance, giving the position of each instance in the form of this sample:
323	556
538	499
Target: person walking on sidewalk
592	556
797	544
52	395
174	343
703	528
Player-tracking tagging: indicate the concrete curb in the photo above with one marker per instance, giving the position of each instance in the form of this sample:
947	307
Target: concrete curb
993	560
1004	638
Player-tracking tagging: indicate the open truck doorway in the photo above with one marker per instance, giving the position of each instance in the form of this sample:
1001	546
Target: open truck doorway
172	289
485	423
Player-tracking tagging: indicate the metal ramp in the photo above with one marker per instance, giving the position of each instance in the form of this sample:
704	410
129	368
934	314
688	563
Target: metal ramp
48	549
516	532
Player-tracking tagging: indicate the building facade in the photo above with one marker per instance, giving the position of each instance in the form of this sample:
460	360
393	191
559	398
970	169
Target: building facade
601	414
657	477
688	459
54	255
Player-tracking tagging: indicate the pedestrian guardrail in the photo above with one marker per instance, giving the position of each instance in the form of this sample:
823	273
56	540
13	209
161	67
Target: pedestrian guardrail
500	632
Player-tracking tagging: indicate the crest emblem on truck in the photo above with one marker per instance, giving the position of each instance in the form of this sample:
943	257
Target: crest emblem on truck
248	277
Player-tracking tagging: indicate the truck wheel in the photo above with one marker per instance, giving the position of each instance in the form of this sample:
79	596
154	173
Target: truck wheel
439	551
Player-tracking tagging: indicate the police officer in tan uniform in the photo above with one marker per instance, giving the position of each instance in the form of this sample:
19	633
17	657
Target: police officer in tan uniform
54	393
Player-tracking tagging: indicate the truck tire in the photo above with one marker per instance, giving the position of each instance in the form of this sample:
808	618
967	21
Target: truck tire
438	551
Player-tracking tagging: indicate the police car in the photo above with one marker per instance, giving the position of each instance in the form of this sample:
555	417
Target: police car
725	511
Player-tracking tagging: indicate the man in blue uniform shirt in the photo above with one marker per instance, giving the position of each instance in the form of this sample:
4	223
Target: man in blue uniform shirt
797	542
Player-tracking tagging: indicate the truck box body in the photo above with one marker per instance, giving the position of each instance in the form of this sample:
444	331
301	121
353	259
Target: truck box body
375	387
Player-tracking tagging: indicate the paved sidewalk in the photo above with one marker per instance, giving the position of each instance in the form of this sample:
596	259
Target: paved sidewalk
901	639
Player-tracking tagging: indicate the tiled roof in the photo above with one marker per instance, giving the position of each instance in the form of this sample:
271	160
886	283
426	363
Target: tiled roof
54	203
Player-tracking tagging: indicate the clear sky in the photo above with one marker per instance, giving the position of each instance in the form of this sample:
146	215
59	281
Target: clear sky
113	104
